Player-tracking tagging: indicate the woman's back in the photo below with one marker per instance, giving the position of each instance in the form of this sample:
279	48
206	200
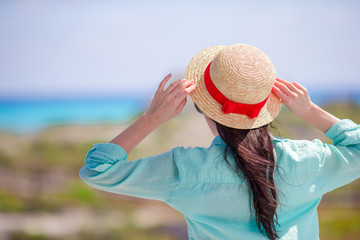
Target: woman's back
215	200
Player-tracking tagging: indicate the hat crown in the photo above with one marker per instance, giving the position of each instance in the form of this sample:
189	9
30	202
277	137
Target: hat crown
243	73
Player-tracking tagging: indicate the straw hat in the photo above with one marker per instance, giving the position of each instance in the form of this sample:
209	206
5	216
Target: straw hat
244	75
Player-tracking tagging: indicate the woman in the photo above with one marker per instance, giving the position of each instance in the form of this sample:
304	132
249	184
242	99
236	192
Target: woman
247	184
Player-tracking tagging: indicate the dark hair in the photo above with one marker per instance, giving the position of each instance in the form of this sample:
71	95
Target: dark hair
254	160
198	109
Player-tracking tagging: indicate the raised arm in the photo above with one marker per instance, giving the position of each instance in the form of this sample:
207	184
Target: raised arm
166	104
331	165
297	100
106	166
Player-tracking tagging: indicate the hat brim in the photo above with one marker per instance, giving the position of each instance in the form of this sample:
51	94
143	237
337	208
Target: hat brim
195	71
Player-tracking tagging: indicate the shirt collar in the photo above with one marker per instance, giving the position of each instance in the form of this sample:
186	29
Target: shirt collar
218	141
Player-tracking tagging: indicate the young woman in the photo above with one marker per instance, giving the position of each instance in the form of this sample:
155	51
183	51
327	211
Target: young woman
247	184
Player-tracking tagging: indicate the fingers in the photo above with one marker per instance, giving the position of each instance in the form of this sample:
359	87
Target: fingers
283	88
177	86
181	106
289	85
163	82
278	93
181	85
186	92
169	102
301	87
176	92
293	86
291	93
173	85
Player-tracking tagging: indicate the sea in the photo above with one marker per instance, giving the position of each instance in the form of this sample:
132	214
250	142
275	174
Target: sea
29	116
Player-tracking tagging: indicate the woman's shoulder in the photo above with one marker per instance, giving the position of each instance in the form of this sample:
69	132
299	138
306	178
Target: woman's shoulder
287	144
290	153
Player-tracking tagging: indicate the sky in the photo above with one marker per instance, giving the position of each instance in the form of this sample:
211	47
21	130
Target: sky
120	48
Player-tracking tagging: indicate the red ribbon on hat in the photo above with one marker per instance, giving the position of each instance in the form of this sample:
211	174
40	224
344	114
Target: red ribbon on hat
228	106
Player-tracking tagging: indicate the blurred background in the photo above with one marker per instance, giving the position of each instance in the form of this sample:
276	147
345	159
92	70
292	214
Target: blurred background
74	73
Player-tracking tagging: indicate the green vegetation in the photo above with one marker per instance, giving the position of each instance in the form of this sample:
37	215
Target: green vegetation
26	236
339	223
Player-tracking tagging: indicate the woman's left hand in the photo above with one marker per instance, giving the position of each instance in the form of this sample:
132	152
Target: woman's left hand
165	105
168	103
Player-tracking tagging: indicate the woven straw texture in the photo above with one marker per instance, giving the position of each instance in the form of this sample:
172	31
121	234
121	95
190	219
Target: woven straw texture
242	73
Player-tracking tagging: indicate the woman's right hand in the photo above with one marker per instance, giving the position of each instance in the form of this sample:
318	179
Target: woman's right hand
296	98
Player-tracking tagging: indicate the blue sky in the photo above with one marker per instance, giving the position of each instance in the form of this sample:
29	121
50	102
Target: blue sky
112	48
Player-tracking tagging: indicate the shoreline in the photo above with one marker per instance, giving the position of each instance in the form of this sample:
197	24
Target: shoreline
188	129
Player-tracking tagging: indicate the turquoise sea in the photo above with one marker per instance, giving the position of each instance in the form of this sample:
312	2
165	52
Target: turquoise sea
27	116
30	116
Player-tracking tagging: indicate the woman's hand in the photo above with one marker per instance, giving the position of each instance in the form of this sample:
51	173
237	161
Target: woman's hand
168	103
296	98
165	105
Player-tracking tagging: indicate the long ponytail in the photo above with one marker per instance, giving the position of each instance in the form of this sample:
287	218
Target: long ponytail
254	159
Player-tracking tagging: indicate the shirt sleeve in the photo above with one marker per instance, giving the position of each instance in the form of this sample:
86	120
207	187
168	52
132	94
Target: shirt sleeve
106	168
340	163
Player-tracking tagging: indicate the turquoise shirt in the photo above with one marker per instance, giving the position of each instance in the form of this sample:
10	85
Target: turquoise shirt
214	199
